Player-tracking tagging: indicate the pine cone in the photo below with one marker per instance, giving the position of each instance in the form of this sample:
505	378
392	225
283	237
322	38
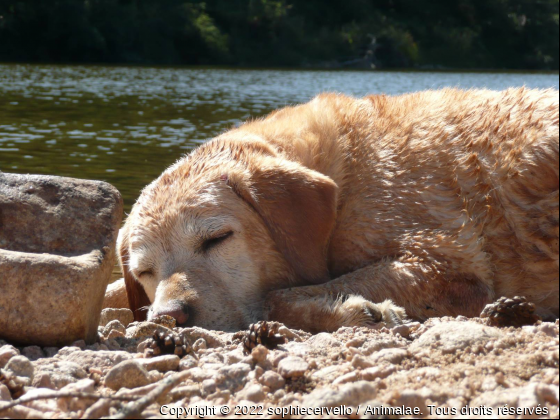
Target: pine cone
162	343
510	312
265	333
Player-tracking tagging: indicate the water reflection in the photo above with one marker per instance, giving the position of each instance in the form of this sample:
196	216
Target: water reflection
125	125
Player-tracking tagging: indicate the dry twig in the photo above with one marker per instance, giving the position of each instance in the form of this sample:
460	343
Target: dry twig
56	394
134	409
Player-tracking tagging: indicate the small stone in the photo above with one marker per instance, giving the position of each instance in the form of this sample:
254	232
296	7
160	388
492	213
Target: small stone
194	333
124	316
259	354
20	366
232	357
6	353
289	334
187	363
114	325
81	344
356	342
197	374
43	380
233	377
349	377
85	386
161	363
292	367
33	353
155	376
402	330
128	374
5	393
278	395
182	392
58	374
166	321
95	359
252	392
376	372
323	341
50	351
200	344
361	362
409	398
393	356
208	387
146	329
349	394
114	334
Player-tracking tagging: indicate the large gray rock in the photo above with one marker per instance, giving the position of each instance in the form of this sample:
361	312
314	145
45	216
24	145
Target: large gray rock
57	251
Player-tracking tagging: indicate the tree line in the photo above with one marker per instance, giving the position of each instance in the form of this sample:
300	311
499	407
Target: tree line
468	34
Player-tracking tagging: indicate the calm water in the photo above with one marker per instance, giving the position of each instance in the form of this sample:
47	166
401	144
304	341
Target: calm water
125	125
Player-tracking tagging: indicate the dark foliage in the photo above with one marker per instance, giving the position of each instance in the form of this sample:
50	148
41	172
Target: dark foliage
511	34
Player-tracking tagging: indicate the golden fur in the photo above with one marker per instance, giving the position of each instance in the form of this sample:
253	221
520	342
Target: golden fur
438	201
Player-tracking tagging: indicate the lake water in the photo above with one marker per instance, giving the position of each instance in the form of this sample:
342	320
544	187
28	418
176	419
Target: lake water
125	125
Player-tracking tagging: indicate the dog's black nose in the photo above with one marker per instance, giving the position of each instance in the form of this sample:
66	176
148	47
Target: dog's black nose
174	309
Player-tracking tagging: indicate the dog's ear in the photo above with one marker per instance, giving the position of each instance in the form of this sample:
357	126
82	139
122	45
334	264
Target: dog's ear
298	205
138	301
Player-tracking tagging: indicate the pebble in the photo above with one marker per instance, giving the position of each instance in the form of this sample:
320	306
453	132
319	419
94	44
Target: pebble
114	326
187	362
200	344
393	356
252	392
94	359
411	398
165	320
74	404
161	363
361	362
5	393
292	367
20	366
349	394
145	330
323	342
272	380
194	333
233	377
6	353
128	374
55	374
124	316
376	372
33	353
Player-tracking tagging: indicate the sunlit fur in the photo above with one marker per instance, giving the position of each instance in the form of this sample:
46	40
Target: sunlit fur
440	201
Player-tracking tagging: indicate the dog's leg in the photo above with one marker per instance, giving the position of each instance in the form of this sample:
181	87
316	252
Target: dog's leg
382	292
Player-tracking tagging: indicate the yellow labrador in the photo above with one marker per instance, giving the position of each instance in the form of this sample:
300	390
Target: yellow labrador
349	212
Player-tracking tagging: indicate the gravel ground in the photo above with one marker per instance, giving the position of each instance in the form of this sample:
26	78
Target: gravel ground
438	369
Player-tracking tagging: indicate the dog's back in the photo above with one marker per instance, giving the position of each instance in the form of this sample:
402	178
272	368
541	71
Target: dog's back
468	176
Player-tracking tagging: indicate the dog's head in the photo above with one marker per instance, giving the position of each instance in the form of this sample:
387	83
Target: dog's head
221	228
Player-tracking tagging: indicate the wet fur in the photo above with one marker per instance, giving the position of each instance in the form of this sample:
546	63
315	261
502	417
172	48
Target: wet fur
439	201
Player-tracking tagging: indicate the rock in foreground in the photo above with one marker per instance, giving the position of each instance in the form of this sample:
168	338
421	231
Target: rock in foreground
57	250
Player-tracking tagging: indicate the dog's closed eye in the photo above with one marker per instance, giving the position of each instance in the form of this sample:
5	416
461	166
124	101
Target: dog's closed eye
208	244
145	273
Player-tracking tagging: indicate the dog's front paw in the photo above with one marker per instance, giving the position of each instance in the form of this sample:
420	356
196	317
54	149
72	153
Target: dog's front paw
355	311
